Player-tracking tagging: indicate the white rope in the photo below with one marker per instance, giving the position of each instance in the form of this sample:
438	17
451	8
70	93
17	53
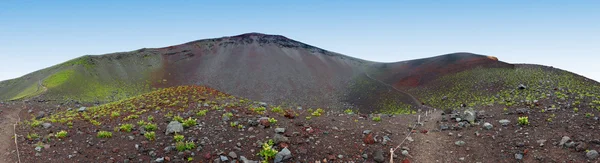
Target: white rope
15	131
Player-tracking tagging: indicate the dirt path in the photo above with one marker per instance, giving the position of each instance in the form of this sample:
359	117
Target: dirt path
430	147
8	117
415	100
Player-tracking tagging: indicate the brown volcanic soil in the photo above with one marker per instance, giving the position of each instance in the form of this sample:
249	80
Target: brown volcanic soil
419	72
9	114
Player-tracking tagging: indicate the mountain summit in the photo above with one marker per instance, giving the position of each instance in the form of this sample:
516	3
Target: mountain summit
270	68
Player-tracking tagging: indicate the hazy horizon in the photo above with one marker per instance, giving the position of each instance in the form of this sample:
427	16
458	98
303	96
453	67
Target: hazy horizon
40	34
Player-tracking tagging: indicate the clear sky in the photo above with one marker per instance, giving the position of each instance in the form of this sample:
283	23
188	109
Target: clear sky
563	34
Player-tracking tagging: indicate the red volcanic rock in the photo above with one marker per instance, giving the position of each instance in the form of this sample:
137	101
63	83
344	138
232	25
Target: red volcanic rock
369	139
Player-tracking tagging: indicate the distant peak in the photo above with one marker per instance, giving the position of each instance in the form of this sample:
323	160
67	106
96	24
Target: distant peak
257	35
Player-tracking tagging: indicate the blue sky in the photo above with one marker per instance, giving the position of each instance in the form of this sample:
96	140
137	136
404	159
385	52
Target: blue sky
563	34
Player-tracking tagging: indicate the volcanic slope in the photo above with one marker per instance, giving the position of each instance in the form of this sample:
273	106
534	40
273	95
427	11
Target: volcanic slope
260	67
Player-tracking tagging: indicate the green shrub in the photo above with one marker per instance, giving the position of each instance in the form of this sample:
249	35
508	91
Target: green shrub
35	123
277	109
267	151
32	136
181	146
150	135
260	110
150	118
104	134
272	120
523	121
189	122
202	112
178	138
178	119
377	118
348	111
61	134
126	127
151	127
115	114
141	123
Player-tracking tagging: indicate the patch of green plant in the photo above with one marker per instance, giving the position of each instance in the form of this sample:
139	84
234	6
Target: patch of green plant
178	138
115	114
376	118
259	110
58	78
277	109
126	127
348	111
272	120
523	121
267	152
228	114
133	116
150	127
178	119
190	159
202	112
35	123
318	112
588	115
150	118
32	136
150	135
181	146
61	134
104	134
189	122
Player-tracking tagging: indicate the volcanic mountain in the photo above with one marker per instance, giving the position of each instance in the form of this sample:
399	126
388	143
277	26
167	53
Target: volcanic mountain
269	68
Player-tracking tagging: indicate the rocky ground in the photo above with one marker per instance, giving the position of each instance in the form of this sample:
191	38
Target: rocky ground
554	132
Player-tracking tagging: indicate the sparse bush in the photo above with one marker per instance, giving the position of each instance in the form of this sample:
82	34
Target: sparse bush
259	110
141	123
35	123
61	134
272	120
277	109
267	151
133	116
588	115
150	118
150	135
126	127
202	112
32	136
115	114
189	122
348	111
178	119
377	118
523	121
178	138
104	134
181	146
151	127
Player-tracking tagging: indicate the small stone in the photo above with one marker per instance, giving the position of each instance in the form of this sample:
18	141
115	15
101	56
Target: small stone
541	142
340	156
366	132
365	156
564	140
283	155
162	159
174	127
224	158
504	122
82	109
38	149
404	153
278	138
518	156
461	159
487	126
279	130
459	143
232	155
592	154
46	125
378	156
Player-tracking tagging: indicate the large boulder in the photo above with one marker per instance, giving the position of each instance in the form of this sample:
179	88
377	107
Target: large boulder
174	127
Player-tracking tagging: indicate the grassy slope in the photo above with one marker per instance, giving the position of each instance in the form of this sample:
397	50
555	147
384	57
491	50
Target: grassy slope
87	79
498	86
